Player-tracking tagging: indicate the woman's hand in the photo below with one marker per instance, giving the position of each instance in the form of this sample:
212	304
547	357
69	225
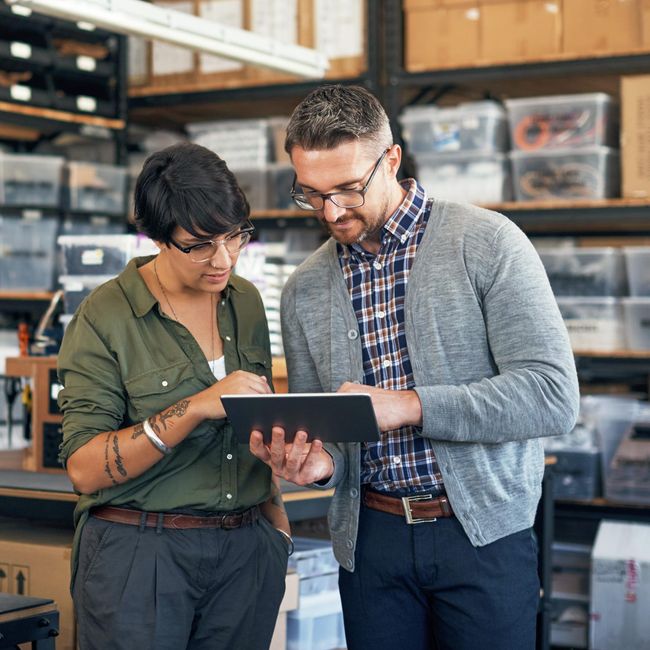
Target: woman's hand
239	382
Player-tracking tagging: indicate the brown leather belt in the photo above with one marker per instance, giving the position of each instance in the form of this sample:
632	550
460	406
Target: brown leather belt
416	509
178	521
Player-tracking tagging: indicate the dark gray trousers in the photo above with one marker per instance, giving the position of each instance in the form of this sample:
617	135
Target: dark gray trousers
199	589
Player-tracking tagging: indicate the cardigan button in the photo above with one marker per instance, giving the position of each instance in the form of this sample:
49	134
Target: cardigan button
353	334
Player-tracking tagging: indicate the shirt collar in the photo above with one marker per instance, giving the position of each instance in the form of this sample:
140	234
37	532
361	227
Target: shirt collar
142	300
402	223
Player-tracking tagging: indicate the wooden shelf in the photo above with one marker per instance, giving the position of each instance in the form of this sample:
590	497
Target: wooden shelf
617	354
280	214
27	296
541	206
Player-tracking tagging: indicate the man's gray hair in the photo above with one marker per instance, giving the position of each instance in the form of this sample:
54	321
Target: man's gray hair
334	114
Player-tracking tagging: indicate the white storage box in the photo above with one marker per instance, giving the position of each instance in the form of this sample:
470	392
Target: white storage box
594	324
637	259
589	173
465	177
96	254
27	253
585	271
317	624
77	287
30	181
620	587
96	188
477	127
637	323
562	121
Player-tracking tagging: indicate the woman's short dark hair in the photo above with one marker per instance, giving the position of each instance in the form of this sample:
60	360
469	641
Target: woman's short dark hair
189	186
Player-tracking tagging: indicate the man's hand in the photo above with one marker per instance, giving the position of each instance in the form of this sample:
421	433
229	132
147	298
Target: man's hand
393	408
299	462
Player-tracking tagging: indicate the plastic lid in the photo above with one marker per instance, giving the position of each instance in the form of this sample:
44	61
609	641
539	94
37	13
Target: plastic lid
559	99
588	300
467	109
562	153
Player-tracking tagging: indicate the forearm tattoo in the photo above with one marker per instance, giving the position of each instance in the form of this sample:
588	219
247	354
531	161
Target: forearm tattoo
138	430
179	410
107	465
118	459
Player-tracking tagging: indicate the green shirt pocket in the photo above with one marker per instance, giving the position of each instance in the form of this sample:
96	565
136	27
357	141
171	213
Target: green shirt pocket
255	359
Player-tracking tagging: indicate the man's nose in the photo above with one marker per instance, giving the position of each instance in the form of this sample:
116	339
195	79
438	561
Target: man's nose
331	212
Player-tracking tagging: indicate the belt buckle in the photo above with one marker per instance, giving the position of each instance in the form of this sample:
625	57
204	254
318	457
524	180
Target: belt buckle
406	504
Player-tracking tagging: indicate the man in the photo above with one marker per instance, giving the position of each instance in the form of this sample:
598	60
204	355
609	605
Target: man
443	314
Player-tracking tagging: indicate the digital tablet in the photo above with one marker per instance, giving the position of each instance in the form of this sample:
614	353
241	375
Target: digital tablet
330	417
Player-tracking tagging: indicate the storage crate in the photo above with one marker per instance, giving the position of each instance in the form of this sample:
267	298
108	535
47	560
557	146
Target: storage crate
585	271
312	557
27	253
562	121
637	259
588	173
628	475
77	287
637	323
30	181
465	177
477	127
317	624
96	188
96	254
253	183
594	324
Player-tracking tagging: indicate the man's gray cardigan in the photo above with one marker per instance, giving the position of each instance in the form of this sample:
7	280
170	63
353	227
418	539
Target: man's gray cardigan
491	359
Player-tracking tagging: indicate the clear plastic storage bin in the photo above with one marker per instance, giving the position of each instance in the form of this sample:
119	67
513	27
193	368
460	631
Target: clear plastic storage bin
96	254
312	557
280	177
590	173
317	624
594	323
562	121
97	188
30	181
27	255
253	183
477	127
637	259
465	177
637	323
77	287
585	271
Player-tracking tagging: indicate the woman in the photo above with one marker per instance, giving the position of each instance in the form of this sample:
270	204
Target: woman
174	545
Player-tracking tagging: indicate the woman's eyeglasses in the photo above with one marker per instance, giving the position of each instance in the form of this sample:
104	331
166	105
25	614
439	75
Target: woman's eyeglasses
206	250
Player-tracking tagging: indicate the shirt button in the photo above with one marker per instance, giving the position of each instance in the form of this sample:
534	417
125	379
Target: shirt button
165	382
354	493
223	302
228	496
353	334
402	238
349	543
381	314
377	265
229	456
386	363
227	338
397	460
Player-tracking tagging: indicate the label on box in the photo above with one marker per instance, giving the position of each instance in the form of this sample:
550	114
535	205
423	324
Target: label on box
20	50
21	93
86	63
92	257
87	104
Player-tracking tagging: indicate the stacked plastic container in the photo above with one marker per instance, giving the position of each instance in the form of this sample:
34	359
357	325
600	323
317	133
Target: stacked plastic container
588	284
253	150
562	147
317	624
90	260
460	152
637	306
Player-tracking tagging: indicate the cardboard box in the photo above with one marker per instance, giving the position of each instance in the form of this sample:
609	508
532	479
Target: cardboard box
600	26
620	587
645	23
289	602
35	561
441	37
635	136
520	30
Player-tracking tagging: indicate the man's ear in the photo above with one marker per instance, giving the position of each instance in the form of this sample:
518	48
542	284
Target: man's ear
394	160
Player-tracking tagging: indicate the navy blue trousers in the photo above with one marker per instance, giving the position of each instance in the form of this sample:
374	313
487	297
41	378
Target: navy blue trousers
425	587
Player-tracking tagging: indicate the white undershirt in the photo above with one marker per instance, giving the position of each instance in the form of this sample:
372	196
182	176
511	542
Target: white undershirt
218	367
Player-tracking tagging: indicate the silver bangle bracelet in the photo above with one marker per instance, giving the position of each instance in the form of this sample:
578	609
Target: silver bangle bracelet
289	539
155	440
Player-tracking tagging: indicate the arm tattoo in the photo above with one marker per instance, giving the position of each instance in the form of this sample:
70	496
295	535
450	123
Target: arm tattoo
118	459
107	466
138	430
179	409
276	497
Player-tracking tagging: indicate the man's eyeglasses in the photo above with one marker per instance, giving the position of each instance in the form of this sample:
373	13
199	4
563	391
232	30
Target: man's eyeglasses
344	199
205	250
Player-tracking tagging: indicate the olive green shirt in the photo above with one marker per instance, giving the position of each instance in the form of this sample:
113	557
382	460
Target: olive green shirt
122	360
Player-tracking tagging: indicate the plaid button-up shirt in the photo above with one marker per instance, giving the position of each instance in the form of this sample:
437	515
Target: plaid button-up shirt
402	461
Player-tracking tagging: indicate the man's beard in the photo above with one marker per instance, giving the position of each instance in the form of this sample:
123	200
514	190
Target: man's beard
368	231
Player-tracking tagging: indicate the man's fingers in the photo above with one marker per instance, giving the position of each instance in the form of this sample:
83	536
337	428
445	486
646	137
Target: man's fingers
277	450
258	448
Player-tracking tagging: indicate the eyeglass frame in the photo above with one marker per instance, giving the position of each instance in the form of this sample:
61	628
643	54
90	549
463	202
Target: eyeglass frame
249	229
328	196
